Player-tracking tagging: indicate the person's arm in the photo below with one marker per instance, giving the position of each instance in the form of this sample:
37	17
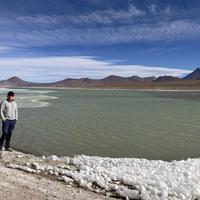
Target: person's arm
16	112
2	110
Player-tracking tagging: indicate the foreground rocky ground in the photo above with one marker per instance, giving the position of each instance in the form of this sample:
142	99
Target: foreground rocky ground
18	183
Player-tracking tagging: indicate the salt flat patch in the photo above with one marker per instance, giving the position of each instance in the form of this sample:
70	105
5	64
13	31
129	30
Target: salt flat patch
34	101
129	178
28	98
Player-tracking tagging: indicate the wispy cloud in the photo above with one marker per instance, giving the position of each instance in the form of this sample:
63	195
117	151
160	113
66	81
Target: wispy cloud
50	35
46	69
109	16
101	17
99	27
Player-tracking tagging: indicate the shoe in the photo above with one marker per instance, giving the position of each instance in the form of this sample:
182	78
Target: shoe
1	148
8	149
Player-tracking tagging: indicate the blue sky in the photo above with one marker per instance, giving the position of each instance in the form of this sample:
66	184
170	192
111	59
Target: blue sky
48	40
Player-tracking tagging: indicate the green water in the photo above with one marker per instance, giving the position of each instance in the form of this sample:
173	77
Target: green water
114	123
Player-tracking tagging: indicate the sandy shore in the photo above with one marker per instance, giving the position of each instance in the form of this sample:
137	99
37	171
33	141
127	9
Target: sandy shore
19	184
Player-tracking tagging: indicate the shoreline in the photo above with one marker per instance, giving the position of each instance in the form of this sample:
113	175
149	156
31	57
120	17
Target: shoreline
93	177
131	89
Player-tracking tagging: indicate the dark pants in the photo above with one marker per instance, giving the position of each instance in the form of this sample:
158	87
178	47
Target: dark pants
7	129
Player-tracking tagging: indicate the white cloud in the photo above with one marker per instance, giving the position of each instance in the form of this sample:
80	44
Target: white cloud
47	69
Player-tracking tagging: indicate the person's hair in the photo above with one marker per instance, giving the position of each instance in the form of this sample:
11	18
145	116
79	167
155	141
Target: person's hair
11	93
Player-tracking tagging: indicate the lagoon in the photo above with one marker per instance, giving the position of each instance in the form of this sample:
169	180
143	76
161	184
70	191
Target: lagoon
110	123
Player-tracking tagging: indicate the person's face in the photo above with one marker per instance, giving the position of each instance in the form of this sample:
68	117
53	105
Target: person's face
10	98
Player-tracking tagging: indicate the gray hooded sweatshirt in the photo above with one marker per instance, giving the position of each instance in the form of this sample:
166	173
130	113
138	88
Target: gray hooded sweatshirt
9	110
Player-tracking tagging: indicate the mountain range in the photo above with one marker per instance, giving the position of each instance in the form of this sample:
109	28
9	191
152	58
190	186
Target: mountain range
109	81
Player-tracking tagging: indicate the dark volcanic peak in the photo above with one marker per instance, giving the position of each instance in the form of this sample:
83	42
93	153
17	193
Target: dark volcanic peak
195	75
166	79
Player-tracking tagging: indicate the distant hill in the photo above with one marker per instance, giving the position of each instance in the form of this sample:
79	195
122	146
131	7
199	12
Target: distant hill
166	79
81	82
139	79
113	81
17	81
109	80
69	82
14	81
195	75
119	79
5	83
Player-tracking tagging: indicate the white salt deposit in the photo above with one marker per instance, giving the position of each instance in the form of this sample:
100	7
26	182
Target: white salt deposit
28	98
126	177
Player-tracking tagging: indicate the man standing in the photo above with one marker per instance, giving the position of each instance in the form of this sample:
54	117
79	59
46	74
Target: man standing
9	116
